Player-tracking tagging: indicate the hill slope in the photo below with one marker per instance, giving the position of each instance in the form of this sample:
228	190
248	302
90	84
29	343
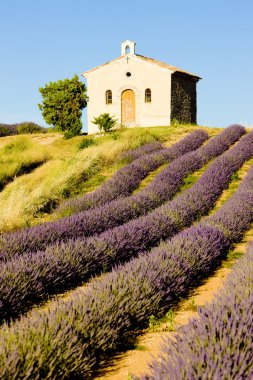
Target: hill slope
60	169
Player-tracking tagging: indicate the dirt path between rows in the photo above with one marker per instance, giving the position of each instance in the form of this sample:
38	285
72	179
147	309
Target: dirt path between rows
136	361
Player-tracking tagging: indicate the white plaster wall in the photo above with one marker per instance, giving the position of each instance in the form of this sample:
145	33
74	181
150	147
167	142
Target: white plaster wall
144	75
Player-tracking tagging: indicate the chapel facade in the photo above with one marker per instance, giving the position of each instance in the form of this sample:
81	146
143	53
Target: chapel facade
140	91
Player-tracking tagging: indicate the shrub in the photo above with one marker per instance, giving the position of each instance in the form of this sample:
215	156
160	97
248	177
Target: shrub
8	130
30	127
85	143
175	122
21	128
105	122
69	134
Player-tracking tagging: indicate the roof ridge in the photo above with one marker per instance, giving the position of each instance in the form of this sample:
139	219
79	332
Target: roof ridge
147	59
166	65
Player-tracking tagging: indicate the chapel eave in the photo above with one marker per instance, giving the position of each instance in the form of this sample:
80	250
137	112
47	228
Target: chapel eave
153	61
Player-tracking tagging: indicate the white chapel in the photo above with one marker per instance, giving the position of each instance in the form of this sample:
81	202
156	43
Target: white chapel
140	91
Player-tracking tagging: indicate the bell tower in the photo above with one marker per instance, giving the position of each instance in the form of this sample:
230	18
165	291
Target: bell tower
127	47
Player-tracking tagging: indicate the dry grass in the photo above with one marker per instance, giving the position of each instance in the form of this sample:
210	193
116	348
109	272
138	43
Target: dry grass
19	155
29	199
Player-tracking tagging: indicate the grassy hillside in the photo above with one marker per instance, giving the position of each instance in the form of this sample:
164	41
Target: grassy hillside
76	292
58	169
159	231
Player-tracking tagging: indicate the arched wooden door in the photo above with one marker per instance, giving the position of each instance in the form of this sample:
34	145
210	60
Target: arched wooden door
128	108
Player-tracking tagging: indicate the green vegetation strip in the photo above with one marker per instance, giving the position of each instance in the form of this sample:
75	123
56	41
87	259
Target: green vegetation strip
149	178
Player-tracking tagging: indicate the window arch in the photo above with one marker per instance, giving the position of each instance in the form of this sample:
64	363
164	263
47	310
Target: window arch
147	95
108	97
127	49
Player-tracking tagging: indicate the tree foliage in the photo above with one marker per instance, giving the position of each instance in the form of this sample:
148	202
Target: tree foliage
105	122
62	104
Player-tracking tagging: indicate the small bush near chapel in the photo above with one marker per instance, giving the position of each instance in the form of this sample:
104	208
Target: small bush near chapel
105	122
86	143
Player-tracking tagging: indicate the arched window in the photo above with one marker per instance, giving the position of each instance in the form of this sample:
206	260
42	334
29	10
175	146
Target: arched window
147	95
127	49
108	97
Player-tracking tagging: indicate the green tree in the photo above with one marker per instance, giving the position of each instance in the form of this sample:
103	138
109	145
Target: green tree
61	106
105	122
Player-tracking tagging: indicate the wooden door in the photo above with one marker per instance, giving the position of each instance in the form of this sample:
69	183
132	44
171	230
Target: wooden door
128	108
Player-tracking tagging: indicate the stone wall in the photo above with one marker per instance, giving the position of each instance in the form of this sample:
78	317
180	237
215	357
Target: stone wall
183	98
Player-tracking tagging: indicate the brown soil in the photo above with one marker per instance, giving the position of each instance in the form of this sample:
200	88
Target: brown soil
136	361
148	345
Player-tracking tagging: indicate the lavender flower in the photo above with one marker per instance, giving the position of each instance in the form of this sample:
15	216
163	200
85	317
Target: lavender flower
35	275
128	178
122	210
69	340
142	150
217	345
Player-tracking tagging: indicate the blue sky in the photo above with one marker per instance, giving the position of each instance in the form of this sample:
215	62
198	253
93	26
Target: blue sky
48	40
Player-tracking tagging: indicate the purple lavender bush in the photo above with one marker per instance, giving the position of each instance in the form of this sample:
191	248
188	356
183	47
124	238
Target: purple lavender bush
121	210
223	349
31	277
70	339
20	128
128	178
132	154
8	130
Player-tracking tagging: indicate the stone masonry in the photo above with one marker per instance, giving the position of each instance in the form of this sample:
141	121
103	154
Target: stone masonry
183	98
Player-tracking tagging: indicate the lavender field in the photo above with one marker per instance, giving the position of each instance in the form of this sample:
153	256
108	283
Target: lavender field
78	290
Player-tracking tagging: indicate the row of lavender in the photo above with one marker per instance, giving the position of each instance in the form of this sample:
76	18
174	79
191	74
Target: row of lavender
31	277
219	344
121	210
128	178
70	339
133	154
116	212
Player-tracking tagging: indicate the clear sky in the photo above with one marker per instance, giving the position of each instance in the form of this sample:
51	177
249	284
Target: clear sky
48	40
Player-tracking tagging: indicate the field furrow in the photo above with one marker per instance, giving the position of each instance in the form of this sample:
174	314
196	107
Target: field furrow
33	276
120	211
136	359
69	171
142	150
128	178
69	340
218	344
